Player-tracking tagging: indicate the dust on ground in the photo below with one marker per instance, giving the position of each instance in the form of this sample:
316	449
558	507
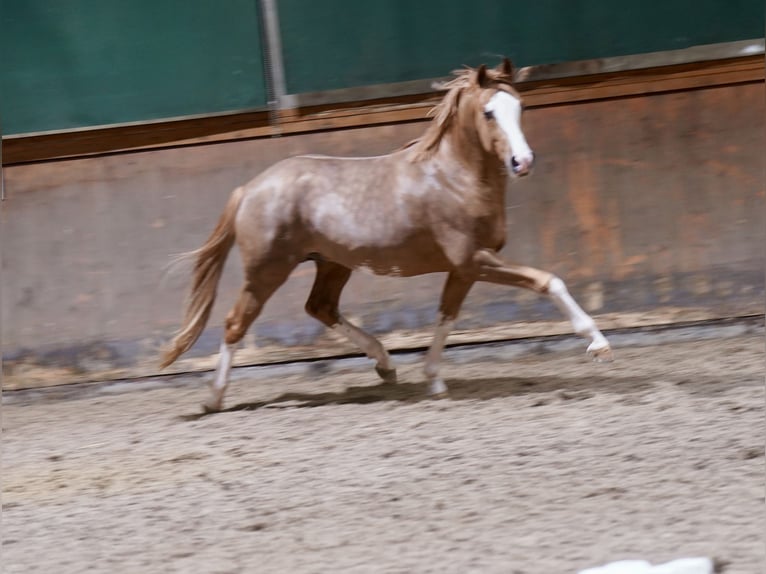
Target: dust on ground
536	463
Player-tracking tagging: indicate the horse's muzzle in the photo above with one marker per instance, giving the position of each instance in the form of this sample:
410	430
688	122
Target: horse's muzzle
522	166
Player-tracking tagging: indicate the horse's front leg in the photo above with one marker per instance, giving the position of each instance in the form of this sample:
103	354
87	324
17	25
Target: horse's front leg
494	270
455	290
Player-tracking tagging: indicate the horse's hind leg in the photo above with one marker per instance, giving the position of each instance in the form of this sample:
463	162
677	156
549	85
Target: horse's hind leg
260	284
322	304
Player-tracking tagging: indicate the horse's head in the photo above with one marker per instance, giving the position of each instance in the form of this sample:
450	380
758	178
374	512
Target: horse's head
480	108
494	107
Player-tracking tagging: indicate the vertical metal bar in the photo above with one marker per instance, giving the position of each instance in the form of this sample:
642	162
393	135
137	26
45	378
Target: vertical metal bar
2	233
273	63
2	170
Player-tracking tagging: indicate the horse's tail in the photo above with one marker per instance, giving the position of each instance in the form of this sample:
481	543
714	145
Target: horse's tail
208	267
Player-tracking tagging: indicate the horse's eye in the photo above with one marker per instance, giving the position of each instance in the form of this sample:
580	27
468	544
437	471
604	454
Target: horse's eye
489	114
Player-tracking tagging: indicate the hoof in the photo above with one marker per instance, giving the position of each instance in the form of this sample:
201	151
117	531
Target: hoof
437	389
388	375
209	408
601	354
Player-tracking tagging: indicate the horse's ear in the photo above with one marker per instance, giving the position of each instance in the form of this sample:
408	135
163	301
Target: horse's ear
506	68
481	76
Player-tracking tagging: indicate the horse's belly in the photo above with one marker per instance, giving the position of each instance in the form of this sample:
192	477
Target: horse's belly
406	255
397	269
416	257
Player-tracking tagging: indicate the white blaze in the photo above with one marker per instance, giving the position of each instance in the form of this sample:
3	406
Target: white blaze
507	111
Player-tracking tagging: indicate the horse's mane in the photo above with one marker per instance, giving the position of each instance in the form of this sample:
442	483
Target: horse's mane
443	112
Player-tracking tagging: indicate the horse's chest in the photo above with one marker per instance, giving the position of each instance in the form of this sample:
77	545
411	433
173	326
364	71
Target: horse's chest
490	231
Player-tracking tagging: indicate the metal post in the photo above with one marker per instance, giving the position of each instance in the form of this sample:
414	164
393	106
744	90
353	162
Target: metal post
273	62
2	220
2	170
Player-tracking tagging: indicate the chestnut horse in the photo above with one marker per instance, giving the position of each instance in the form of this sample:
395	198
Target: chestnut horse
436	205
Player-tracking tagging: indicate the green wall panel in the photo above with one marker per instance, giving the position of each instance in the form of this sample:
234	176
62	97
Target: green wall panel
76	63
331	44
67	64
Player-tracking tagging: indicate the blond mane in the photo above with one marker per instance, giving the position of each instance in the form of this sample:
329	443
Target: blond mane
443	112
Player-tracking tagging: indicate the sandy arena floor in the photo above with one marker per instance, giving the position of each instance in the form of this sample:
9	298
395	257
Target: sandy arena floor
538	463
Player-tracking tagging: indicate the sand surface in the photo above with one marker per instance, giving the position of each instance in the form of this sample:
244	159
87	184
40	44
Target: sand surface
536	463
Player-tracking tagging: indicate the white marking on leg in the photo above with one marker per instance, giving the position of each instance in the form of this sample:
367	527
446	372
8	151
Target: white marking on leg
432	365
221	381
437	387
582	323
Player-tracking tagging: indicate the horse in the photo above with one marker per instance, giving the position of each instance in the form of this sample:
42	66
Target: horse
435	205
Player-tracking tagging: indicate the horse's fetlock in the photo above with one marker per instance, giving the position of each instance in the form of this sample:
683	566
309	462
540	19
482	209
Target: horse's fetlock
584	326
431	370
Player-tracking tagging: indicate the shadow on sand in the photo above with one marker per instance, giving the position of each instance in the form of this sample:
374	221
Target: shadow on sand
565	388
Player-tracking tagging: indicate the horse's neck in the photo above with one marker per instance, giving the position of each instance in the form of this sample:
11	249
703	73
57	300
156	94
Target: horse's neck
482	172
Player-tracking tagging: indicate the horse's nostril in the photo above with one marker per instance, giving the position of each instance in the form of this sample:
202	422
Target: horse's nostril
522	167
